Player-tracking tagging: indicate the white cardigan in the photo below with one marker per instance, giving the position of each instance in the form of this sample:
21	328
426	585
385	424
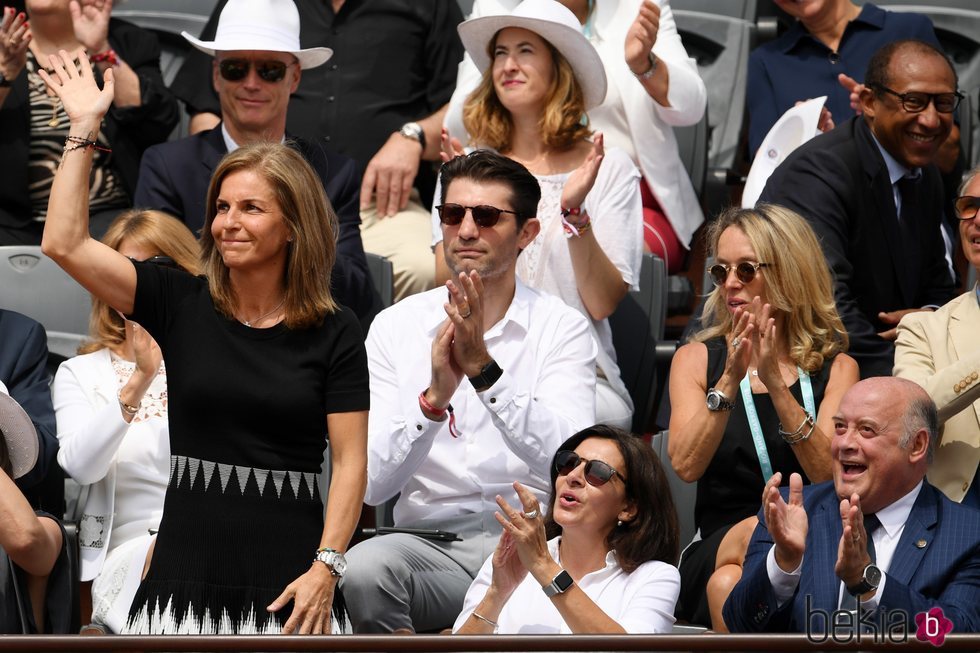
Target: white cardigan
649	123
91	430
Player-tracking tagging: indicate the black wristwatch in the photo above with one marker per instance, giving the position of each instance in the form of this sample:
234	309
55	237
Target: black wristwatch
870	580
487	376
559	584
717	401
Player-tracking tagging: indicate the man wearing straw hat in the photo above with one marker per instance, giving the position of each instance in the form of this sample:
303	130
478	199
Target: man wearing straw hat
257	65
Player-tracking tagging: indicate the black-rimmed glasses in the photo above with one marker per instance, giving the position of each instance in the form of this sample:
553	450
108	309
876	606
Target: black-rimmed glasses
967	207
744	272
483	215
235	70
597	473
917	101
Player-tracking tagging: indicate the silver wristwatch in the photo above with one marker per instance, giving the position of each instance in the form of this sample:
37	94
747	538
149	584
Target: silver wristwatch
414	131
717	401
558	584
334	560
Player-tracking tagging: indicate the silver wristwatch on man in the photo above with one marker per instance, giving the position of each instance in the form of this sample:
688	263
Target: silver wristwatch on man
334	560
414	131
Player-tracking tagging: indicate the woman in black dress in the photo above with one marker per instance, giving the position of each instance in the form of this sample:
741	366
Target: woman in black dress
262	365
756	391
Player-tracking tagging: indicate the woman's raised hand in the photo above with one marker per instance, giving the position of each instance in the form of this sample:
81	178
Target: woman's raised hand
581	180
740	344
81	96
526	528
90	18
146	351
15	36
451	147
508	572
768	355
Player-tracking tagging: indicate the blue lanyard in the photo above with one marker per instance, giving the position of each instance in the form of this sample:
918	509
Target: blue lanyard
753	417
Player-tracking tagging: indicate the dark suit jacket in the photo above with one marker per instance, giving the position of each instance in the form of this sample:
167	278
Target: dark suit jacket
129	131
174	177
945	572
839	182
23	369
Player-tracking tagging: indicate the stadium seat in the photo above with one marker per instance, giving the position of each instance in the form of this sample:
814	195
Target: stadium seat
743	9
684	494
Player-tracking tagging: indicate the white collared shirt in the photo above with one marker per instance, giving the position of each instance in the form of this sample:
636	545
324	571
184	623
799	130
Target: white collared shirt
885	538
230	143
641	601
506	433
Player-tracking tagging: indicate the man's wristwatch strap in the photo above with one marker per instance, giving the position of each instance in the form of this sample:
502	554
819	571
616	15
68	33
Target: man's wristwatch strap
487	376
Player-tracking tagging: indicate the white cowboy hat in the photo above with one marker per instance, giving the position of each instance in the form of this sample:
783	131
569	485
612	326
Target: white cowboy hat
270	25
794	128
18	430
557	25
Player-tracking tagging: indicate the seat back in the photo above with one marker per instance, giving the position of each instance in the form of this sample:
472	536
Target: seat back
743	9
692	145
383	286
684	494
33	284
637	324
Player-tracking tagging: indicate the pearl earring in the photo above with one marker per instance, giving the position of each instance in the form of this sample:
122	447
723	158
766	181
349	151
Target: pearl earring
619	522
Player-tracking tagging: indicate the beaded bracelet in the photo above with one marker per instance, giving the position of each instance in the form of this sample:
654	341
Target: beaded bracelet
575	228
73	143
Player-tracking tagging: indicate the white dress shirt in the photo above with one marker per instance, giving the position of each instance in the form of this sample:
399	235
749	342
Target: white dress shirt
506	433
640	602
885	538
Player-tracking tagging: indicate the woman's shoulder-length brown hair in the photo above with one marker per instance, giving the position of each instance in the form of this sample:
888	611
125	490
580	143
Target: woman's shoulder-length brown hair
563	123
151	230
653	534
309	217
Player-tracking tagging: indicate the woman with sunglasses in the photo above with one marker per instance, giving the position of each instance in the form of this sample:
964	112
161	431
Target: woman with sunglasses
755	392
603	550
540	75
111	406
33	125
263	369
941	352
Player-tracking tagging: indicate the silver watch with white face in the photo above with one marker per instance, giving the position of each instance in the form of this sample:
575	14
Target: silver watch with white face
334	560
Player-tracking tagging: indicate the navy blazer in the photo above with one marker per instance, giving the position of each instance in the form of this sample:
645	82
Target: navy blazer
174	177
943	572
839	182
23	369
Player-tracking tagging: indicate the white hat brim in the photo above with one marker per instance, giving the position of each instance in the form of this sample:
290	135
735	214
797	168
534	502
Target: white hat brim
21	436
308	57
477	33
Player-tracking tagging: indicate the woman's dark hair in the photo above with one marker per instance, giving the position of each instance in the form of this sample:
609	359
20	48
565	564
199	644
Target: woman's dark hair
653	534
6	464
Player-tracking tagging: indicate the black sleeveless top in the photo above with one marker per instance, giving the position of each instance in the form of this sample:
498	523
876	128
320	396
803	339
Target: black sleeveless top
731	487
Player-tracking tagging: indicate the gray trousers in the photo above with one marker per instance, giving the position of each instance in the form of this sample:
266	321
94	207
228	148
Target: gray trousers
404	581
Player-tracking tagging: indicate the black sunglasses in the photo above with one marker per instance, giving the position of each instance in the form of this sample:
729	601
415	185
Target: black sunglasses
917	101
483	215
967	207
597	473
235	70
744	272
162	261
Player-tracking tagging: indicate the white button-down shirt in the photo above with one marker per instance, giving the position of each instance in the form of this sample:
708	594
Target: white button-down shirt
507	433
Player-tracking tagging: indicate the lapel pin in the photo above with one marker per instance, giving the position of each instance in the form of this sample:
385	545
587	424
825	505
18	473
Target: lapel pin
920	544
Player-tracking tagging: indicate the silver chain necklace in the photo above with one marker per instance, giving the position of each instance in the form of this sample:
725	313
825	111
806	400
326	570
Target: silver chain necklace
248	323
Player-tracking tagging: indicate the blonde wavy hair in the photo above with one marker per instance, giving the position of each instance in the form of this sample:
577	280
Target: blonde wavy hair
563	121
798	283
153	231
309	217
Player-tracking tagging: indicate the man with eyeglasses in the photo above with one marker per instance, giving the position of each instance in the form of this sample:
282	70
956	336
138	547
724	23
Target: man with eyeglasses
257	65
872	193
473	386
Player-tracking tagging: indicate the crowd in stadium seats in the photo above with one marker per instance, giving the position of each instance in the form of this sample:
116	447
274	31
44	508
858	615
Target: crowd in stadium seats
244	393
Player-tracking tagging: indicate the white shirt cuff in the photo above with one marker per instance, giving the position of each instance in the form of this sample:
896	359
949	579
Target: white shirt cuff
783	583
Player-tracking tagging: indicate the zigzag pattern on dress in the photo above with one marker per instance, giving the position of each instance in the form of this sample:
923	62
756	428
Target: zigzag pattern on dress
165	622
305	485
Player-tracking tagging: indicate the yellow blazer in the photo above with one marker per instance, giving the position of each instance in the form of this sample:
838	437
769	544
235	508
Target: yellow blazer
941	352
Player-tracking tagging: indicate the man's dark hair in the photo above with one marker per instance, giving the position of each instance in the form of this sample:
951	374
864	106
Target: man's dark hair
653	534
876	76
486	165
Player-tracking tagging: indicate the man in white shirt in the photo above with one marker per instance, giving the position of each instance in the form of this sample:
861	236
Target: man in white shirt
448	445
874	549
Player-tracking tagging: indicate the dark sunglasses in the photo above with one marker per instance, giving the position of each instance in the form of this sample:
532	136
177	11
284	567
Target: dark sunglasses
597	473
162	261
916	101
967	207
235	70
744	272
483	215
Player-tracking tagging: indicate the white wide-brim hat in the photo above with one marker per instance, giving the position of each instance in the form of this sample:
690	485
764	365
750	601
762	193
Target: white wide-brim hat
18	430
268	25
794	128
556	24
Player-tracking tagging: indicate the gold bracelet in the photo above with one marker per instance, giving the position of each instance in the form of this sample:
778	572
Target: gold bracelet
126	408
482	618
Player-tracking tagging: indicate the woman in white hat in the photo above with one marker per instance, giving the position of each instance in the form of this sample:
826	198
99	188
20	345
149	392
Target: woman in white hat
32	552
540	75
262	368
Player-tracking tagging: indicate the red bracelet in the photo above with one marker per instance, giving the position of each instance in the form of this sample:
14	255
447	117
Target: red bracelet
109	57
439	413
575	228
